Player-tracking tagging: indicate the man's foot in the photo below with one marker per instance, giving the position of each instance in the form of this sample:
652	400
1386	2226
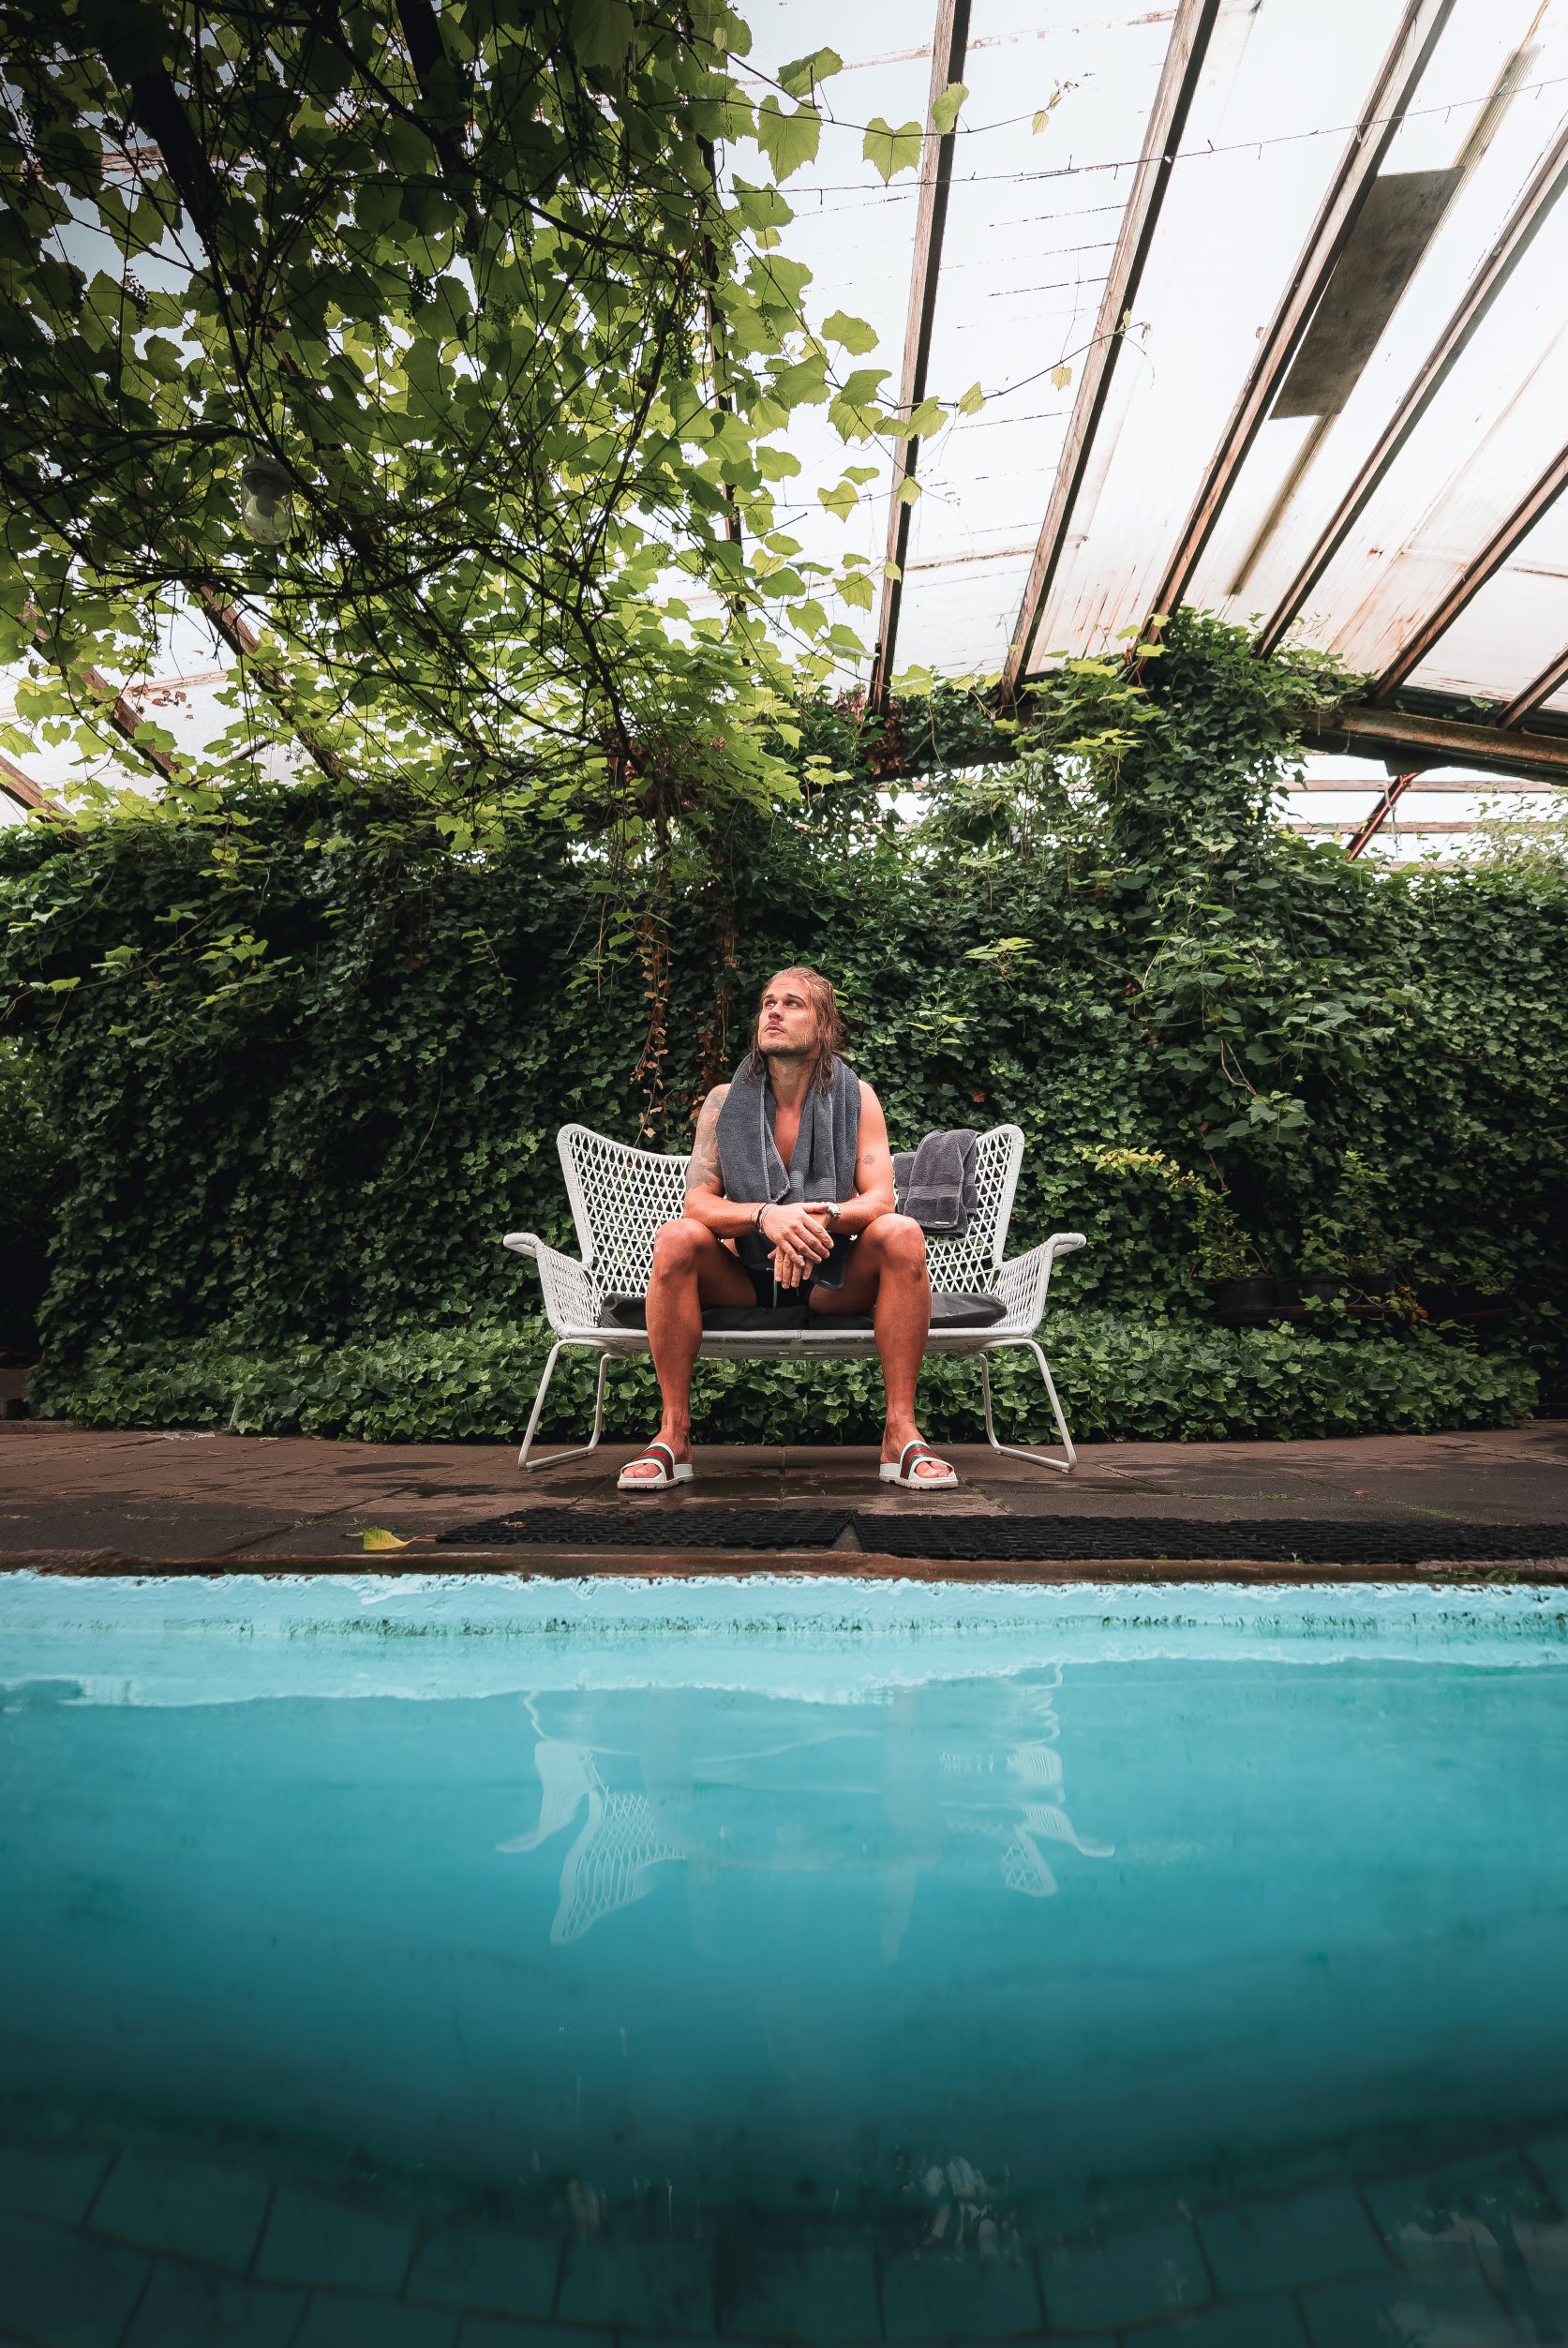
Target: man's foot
908	1460
667	1460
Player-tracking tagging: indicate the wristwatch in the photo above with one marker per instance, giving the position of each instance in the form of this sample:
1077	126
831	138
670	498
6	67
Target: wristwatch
833	1220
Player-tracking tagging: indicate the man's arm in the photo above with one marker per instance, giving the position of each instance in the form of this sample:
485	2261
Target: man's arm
873	1171
705	1201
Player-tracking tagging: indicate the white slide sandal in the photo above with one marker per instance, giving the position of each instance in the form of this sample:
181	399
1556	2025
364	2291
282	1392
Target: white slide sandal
901	1470
671	1471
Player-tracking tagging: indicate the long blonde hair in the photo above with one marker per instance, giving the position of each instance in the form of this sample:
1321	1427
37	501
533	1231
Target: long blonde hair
830	1033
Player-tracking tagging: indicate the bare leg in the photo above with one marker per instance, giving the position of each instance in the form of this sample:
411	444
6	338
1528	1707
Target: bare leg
887	1270
690	1269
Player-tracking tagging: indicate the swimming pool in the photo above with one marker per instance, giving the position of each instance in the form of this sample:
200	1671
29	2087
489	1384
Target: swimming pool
438	1961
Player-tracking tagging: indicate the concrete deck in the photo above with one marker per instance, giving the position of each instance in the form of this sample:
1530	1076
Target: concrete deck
89	1500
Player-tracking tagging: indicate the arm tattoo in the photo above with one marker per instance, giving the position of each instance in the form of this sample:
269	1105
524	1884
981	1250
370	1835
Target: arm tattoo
704	1174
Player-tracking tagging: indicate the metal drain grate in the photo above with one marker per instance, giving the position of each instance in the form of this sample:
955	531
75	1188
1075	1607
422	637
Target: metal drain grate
1025	1540
1269	1540
642	1527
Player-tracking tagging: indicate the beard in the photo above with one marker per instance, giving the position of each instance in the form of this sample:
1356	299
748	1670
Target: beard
771	1051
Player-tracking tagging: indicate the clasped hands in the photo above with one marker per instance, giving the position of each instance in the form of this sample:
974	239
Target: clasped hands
798	1238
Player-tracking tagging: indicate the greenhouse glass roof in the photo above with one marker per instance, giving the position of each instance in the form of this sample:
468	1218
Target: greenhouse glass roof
1255	305
1305	263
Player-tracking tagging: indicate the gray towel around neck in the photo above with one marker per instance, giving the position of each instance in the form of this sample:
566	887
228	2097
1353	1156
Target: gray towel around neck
936	1184
822	1165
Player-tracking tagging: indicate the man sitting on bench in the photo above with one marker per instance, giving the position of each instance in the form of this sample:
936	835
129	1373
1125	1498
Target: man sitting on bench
789	1197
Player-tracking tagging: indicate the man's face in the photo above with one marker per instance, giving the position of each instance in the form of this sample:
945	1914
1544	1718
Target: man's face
787	1024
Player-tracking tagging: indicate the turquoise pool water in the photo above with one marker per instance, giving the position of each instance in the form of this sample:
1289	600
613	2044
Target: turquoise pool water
410	1960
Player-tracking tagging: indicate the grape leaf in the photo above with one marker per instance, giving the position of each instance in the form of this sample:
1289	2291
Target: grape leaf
796	79
787	139
892	150
945	110
850	333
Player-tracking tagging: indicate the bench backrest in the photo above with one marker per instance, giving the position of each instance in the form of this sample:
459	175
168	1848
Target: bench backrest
619	1196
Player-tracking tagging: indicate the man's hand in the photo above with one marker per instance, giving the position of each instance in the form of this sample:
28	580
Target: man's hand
799	1239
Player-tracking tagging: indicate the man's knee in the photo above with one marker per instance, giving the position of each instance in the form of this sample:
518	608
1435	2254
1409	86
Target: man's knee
678	1245
901	1241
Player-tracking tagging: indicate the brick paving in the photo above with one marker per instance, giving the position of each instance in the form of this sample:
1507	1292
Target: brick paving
72	1495
130	2248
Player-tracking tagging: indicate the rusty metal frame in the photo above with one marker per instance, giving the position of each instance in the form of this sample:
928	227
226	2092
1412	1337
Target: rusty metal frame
242	638
1423	825
1191	36
1505	540
115	707
1368	829
1409	741
23	788
949	44
1397	77
1551	679
1547	182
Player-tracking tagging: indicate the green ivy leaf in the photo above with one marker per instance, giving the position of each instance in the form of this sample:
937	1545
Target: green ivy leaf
850	333
776	464
601	30
761	208
787	139
805	72
803	384
972	401
892	151
855	414
945	110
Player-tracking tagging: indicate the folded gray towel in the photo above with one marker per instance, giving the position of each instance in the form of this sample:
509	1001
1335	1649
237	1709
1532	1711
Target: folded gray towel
936	1184
822	1165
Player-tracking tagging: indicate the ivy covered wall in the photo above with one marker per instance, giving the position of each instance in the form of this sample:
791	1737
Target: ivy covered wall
307	1065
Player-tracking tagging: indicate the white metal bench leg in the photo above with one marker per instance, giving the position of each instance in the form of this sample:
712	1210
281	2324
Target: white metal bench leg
1040	1458
582	1450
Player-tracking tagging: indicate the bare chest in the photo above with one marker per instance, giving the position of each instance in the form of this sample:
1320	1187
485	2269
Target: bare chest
786	1133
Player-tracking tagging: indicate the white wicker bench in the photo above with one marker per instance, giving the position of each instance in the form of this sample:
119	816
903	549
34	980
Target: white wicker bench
619	1196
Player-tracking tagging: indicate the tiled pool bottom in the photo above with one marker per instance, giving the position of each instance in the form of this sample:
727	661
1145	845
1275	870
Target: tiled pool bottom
446	1965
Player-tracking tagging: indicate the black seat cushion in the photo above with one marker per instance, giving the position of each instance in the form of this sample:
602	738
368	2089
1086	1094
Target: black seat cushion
947	1312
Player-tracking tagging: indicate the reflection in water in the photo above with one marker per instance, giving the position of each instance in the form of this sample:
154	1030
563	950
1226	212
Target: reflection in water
677	1991
610	1860
998	1788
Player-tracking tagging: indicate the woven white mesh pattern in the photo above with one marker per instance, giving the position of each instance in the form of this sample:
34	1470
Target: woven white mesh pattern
968	1266
572	1296
1021	1285
620	1197
610	1864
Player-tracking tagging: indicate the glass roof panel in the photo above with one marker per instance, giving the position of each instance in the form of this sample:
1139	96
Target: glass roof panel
1268	126
1486	110
1032	223
855	234
1516	624
1032	226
